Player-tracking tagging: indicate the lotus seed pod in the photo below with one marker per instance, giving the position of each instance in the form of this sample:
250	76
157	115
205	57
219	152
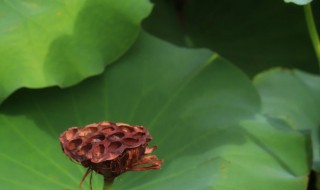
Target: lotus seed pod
110	149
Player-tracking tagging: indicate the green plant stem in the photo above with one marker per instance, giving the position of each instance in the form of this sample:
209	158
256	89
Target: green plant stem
312	30
107	185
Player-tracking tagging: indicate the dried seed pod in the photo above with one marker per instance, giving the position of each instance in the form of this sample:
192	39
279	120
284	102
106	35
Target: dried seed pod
110	149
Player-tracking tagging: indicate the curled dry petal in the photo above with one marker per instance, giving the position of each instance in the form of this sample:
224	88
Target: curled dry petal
110	149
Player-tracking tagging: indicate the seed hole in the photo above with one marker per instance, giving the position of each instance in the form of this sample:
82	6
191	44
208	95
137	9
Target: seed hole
87	130
98	150
114	145
116	136
74	144
139	134
126	129
85	149
70	133
97	138
107	130
130	141
139	129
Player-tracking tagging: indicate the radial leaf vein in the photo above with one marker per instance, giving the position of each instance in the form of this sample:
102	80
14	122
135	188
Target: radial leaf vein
30	169
181	88
31	145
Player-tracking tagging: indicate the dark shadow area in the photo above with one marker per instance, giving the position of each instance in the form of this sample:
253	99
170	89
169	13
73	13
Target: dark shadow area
313	180
254	35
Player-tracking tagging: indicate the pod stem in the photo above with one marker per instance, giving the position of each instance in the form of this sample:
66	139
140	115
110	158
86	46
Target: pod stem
107	184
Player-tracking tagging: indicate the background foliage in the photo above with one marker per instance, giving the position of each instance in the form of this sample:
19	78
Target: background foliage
219	124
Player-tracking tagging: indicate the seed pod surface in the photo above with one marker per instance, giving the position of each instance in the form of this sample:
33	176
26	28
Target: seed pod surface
110	148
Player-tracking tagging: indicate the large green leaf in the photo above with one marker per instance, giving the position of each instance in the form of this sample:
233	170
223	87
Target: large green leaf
294	97
202	112
252	35
45	43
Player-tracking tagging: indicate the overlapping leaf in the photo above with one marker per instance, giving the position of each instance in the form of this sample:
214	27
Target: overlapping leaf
294	97
202	112
61	42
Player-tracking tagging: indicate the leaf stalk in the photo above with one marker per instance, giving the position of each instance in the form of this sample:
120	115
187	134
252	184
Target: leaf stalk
312	30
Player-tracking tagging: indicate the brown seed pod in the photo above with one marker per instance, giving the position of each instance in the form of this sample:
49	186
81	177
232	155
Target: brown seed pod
110	149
